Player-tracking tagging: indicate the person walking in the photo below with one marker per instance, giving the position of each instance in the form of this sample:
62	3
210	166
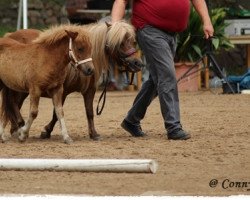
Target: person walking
157	24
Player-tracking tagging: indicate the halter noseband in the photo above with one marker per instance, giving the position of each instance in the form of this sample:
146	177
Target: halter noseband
73	57
130	52
122	56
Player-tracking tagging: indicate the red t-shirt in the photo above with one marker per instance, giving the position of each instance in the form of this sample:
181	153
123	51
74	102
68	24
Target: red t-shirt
169	15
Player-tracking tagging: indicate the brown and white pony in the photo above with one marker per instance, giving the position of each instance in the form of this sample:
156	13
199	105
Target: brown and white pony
116	43
40	67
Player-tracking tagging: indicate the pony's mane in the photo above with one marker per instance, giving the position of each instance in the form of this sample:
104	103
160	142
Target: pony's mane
98	32
118	31
101	36
56	33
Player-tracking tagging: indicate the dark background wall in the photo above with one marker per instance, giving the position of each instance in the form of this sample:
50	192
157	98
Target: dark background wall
41	13
44	13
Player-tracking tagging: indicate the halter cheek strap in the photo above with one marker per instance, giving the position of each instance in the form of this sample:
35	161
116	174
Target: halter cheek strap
73	57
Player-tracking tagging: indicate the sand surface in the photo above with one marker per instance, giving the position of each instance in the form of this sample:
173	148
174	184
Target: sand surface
219	149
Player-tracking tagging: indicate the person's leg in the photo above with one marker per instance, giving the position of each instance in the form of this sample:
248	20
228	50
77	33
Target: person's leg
160	53
159	49
142	101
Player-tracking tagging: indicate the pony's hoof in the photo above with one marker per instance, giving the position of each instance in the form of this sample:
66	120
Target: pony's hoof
4	139
22	138
95	137
45	135
68	140
14	134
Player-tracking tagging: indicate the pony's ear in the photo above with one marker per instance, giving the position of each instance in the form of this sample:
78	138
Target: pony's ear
108	24
71	34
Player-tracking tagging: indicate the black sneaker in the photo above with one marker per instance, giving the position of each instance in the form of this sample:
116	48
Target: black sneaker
178	134
134	130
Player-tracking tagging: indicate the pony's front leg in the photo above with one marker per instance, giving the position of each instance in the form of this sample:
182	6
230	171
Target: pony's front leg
46	133
2	133
34	102
57	101
88	102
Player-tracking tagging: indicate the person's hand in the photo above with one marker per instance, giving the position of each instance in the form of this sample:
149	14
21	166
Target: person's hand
208	30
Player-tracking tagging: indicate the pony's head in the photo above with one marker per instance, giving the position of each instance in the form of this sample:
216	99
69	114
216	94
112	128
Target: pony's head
121	45
79	45
80	51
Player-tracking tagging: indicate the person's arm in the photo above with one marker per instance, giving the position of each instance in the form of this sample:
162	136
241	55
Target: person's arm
201	7
118	10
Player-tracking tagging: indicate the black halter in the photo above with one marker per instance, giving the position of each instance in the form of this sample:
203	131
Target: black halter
127	66
124	66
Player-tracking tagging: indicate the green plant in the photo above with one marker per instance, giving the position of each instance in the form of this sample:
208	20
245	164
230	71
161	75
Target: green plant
5	29
191	43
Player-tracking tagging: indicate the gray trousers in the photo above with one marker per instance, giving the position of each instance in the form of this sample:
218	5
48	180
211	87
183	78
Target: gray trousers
159	49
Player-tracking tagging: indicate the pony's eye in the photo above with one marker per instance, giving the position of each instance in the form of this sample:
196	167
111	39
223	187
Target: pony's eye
81	49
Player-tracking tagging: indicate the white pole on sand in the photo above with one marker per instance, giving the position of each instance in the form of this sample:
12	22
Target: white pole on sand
81	165
25	14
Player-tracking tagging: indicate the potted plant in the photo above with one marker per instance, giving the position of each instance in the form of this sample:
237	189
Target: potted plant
191	45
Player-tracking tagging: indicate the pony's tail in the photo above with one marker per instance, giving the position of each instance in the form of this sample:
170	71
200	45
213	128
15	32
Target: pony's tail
8	113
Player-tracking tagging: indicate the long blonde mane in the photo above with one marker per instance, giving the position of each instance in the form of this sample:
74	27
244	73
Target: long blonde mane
56	33
113	36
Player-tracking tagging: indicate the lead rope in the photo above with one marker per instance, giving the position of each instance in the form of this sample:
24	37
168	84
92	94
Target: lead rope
132	78
103	96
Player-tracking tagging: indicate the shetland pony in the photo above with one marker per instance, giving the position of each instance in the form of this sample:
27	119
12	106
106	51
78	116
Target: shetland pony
114	43
41	67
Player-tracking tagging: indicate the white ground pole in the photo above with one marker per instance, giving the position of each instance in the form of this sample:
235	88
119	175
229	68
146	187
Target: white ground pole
22	11
80	165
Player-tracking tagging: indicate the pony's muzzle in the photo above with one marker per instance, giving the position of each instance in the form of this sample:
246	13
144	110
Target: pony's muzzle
87	68
135	63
